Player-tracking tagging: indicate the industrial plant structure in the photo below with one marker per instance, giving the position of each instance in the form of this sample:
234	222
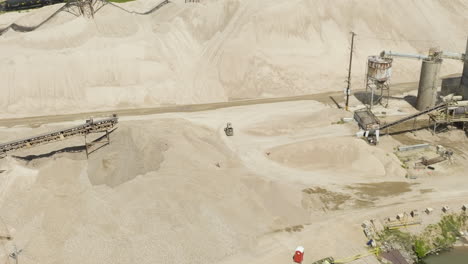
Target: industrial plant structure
464	78
15	5
379	71
452	110
430	68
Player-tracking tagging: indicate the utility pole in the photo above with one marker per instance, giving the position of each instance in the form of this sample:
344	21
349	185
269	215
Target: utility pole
349	70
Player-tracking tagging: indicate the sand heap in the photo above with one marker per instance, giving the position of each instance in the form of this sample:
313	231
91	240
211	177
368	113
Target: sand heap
172	188
212	51
148	197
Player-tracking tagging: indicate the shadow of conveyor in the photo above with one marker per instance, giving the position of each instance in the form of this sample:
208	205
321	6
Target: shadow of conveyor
364	98
73	149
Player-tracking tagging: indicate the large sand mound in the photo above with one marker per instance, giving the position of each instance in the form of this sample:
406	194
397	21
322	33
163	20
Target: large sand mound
213	51
167	191
173	188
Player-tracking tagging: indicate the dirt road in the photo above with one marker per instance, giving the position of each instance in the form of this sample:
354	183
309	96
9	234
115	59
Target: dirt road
335	98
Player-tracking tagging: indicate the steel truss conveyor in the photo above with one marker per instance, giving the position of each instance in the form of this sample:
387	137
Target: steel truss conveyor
90	126
413	116
371	125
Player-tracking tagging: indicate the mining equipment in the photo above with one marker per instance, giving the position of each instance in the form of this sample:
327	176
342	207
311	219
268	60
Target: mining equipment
428	81
229	130
369	124
105	125
444	113
13	5
379	70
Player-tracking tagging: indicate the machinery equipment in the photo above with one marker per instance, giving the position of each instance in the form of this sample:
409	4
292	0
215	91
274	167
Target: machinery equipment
369	123
372	127
428	81
90	126
12	5
434	54
451	111
229	130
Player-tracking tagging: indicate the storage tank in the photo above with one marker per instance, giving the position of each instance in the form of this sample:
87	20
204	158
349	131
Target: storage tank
379	69
427	90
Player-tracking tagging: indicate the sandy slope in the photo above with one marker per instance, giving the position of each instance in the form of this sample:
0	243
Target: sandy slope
212	51
172	188
168	200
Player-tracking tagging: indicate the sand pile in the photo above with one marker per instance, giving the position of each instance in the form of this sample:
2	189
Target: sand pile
336	154
213	51
148	196
341	155
172	188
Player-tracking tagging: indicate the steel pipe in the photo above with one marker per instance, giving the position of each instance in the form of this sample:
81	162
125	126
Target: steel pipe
389	53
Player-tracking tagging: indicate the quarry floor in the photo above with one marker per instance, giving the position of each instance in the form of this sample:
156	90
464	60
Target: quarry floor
173	188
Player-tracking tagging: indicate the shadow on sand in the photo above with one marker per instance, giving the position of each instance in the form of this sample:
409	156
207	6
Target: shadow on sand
100	140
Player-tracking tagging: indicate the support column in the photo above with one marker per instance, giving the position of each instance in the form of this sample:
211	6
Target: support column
86	146
464	79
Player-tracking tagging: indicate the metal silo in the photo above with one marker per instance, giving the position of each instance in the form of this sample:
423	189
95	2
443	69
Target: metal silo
379	71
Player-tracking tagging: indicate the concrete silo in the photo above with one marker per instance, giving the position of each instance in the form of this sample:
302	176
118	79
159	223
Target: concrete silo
464	80
427	90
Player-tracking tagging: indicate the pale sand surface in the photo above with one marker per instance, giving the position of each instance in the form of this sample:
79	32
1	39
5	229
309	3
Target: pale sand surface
172	188
213	51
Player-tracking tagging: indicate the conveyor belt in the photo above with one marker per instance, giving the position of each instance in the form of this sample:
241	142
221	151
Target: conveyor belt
413	116
91	126
20	28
